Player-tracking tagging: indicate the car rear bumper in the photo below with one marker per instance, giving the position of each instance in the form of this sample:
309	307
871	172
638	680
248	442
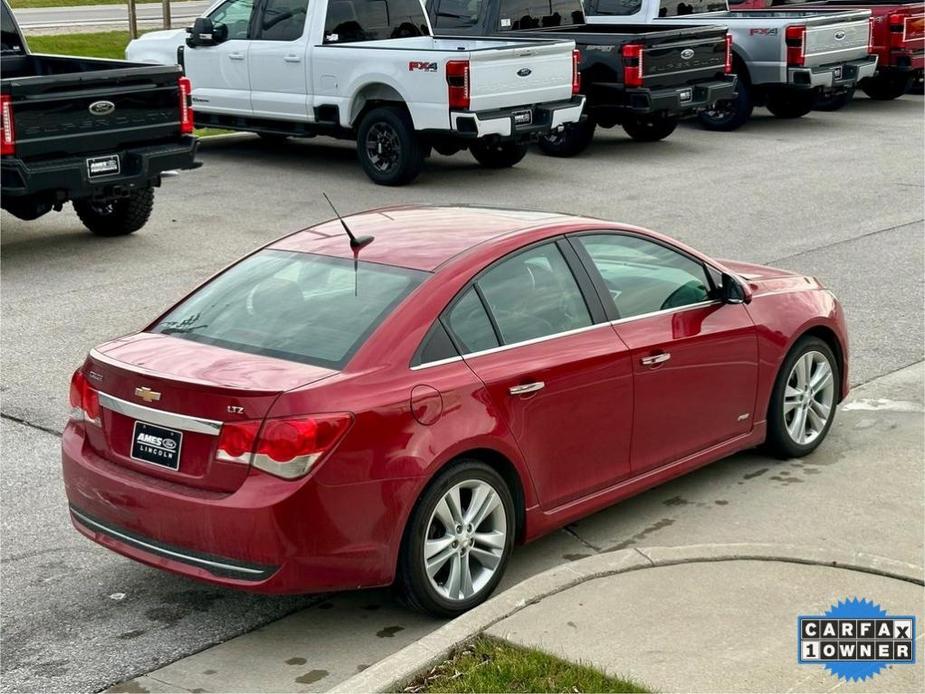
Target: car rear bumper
270	536
69	179
673	102
834	76
504	124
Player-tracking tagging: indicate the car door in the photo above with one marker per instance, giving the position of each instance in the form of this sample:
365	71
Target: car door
278	61
219	73
552	366
695	359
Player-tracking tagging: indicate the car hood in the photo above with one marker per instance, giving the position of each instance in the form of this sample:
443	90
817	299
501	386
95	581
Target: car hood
763	278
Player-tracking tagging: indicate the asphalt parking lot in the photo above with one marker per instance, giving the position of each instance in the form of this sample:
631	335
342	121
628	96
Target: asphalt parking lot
836	195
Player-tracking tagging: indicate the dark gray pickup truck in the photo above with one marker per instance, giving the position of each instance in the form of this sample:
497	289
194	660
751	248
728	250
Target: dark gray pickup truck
99	133
687	68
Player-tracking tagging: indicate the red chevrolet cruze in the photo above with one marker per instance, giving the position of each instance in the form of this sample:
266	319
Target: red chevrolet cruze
304	422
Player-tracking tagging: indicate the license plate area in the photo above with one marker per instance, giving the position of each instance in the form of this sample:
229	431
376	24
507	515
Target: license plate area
686	95
156	445
103	166
523	118
837	72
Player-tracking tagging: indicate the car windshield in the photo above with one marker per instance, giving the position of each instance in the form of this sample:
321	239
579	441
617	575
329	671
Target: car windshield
297	306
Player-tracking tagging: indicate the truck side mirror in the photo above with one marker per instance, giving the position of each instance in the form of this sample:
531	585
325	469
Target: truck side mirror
203	33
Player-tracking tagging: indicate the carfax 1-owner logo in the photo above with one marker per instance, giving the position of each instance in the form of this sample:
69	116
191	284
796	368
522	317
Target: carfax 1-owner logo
856	639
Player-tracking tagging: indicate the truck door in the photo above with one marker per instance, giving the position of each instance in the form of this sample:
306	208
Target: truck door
278	61
218	73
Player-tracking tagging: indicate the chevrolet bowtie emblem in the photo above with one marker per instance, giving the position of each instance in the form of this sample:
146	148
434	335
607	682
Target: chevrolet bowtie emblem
147	394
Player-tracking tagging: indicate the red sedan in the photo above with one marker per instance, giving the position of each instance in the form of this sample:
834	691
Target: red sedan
480	377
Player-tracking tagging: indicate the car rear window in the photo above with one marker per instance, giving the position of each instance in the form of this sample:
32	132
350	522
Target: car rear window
297	306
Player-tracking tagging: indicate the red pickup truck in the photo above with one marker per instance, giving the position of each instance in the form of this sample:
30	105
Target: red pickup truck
897	39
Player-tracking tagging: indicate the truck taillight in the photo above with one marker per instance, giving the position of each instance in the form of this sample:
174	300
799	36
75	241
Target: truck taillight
727	65
632	64
186	108
7	127
286	447
796	45
457	81
576	73
897	25
85	401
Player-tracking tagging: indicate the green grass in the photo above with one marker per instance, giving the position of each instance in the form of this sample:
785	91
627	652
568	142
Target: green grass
102	44
19	4
488	665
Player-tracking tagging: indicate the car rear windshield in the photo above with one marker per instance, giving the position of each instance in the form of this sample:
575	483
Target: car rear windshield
297	306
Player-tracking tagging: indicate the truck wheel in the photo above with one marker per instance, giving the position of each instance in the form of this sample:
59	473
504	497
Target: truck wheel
791	104
649	128
886	87
729	114
573	139
389	150
116	217
833	102
498	155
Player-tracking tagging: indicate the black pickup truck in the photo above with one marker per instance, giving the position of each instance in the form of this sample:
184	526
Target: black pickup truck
100	133
687	67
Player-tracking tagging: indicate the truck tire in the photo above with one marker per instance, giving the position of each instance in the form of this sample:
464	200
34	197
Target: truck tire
886	87
572	140
389	149
649	128
833	102
790	104
497	155
116	217
729	114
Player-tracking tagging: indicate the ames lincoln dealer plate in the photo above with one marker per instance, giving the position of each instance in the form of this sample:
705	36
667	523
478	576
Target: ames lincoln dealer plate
157	445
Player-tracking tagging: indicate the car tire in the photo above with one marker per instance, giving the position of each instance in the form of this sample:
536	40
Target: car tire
389	149
798	403
116	217
729	114
497	155
790	104
649	128
461	548
570	141
886	87
833	102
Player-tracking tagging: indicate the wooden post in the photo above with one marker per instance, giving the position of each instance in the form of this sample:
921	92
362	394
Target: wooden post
165	6
132	20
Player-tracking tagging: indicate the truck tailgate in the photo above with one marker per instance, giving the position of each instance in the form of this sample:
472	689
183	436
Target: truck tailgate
836	41
670	59
518	76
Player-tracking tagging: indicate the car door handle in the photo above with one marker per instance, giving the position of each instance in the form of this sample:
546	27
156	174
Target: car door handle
526	388
293	59
236	56
655	359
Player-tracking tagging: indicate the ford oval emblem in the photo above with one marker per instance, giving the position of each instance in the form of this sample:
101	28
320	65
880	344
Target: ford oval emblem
524	72
687	53
101	108
840	35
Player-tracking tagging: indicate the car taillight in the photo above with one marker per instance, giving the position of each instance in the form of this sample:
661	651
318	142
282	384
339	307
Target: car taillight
186	108
796	45
727	65
632	64
897	24
7	127
85	401
286	447
457	80
576	74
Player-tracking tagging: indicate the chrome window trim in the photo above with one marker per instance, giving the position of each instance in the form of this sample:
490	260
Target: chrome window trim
699	304
171	420
439	362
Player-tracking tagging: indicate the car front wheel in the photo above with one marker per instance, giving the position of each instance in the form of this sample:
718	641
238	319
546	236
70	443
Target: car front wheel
458	541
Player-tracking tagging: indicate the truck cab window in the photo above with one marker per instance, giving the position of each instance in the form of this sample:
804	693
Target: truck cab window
458	14
620	8
372	20
678	8
282	20
533	14
236	15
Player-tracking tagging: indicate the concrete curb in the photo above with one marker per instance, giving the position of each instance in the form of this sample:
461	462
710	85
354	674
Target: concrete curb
392	673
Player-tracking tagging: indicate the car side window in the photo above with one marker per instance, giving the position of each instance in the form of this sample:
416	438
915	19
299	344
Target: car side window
236	15
643	276
282	20
372	20
533	294
470	324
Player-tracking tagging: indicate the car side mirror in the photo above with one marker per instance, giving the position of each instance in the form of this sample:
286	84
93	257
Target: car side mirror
204	33
734	292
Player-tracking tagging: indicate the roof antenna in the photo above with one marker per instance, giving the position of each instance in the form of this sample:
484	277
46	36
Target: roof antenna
357	244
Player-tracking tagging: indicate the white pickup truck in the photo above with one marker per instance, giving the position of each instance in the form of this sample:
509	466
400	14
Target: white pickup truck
370	70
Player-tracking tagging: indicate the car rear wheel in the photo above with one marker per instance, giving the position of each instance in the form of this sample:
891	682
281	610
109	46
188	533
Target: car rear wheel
458	542
497	155
804	399
833	102
886	87
116	217
388	147
649	128
729	114
791	104
570	141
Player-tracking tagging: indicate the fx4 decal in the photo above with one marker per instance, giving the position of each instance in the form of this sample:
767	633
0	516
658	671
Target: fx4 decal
422	66
763	31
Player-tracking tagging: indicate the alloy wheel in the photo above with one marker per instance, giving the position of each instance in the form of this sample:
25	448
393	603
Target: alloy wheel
809	396
383	147
465	540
